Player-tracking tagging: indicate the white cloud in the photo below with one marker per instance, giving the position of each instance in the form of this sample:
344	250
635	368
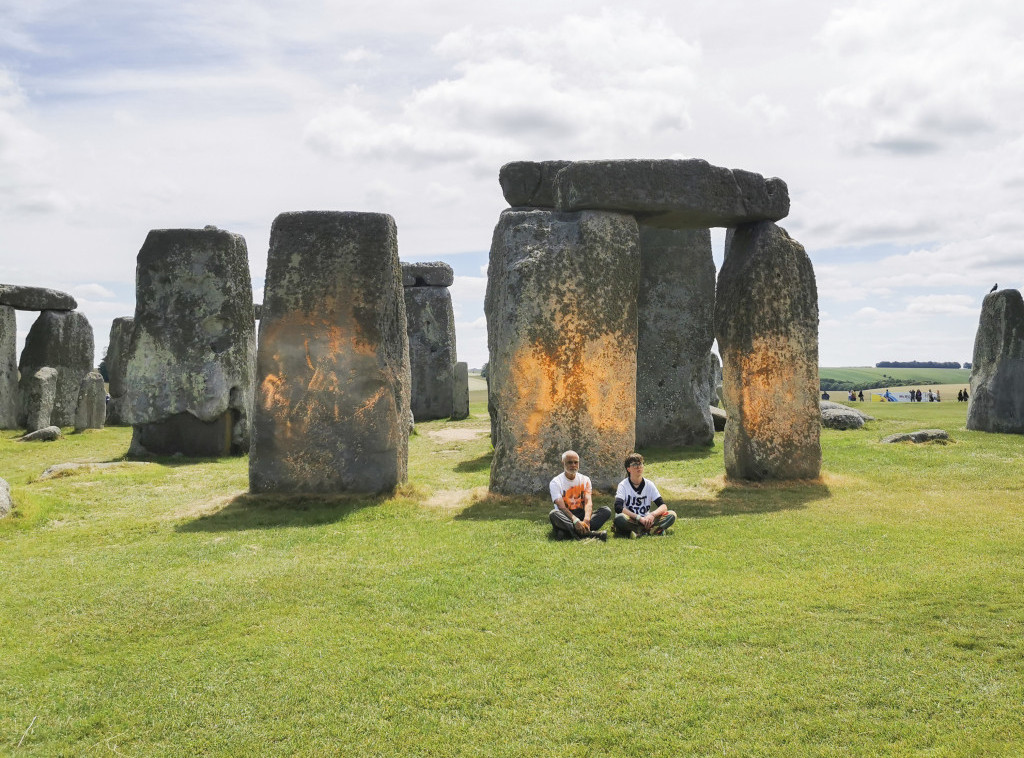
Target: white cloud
92	291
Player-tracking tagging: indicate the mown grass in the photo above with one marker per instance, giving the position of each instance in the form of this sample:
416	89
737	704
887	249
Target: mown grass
159	610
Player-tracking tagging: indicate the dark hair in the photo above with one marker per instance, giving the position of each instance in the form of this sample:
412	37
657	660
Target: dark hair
633	458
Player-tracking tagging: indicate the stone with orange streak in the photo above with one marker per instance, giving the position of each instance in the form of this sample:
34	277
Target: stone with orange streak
766	322
333	358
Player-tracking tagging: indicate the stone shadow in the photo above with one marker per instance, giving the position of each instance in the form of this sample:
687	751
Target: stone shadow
474	465
248	511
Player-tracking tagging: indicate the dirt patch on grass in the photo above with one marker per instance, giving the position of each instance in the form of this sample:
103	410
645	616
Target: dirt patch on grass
455	500
200	508
458	434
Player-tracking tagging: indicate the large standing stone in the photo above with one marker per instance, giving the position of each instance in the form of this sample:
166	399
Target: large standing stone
92	397
39	391
6	504
191	359
714	378
431	330
766	321
460	391
530	183
118	346
8	368
561	328
675	194
35	298
997	371
333	365
62	340
676	308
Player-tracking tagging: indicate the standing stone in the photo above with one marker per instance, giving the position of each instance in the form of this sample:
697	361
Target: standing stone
39	391
91	402
431	330
61	340
997	369
766	321
676	309
332	399
8	368
460	392
714	378
562	332
117	368
191	359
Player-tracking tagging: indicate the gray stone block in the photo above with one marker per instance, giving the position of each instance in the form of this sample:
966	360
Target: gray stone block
766	322
997	369
427	274
61	340
6	503
718	417
332	410
841	418
561	330
675	311
46	434
714	378
35	298
118	346
674	194
530	183
431	331
92	402
39	391
460	391
922	435
193	341
8	368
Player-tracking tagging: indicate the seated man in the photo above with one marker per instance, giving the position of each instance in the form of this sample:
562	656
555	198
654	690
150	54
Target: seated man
573	514
634	500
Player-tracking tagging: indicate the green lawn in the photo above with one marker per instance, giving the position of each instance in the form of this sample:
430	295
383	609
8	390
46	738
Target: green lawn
158	610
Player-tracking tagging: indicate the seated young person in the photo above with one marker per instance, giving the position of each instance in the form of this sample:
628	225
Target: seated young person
639	508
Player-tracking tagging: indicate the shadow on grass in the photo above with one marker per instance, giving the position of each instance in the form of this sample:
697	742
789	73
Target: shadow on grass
482	463
273	511
499	507
676	454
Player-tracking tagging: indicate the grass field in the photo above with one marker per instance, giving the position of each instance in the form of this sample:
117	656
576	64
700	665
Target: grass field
158	610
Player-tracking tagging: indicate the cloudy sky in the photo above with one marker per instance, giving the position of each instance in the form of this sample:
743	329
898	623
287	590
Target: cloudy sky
897	126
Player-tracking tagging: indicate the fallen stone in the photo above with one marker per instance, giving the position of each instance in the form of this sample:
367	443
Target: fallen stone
562	334
332	407
92	402
826	404
460	391
61	340
193	344
719	417
117	368
841	418
675	313
8	368
6	504
766	322
68	469
996	403
674	194
35	298
46	434
39	391
530	183
427	274
924	435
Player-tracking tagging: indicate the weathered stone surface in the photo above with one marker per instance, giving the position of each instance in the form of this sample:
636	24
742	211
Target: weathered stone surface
38	393
70	469
674	194
460	391
826	404
332	408
997	370
46	434
714	369
561	329
427	274
924	435
6	504
8	368
431	330
530	183
61	340
719	417
675	312
257	311
766	322
35	298
117	367
193	341
92	402
841	418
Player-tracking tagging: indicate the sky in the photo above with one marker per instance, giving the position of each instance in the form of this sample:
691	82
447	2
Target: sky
896	125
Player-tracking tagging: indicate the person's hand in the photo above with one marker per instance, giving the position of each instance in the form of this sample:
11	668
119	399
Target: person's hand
581	527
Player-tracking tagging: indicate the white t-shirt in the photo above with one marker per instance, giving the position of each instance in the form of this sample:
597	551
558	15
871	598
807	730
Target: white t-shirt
637	502
570	490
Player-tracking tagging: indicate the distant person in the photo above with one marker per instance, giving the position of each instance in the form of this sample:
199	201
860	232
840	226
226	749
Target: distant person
960	396
573	515
824	395
938	396
931	396
966	396
919	396
912	396
639	508
860	396
851	396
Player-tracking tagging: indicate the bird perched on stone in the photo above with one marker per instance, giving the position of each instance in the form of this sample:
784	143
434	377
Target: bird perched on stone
994	287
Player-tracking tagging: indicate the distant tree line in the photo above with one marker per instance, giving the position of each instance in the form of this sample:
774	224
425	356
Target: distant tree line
918	364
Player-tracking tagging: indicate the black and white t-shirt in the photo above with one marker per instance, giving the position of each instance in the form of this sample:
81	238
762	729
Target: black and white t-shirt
640	499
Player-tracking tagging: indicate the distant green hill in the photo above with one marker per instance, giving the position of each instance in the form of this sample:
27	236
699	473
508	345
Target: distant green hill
869	377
